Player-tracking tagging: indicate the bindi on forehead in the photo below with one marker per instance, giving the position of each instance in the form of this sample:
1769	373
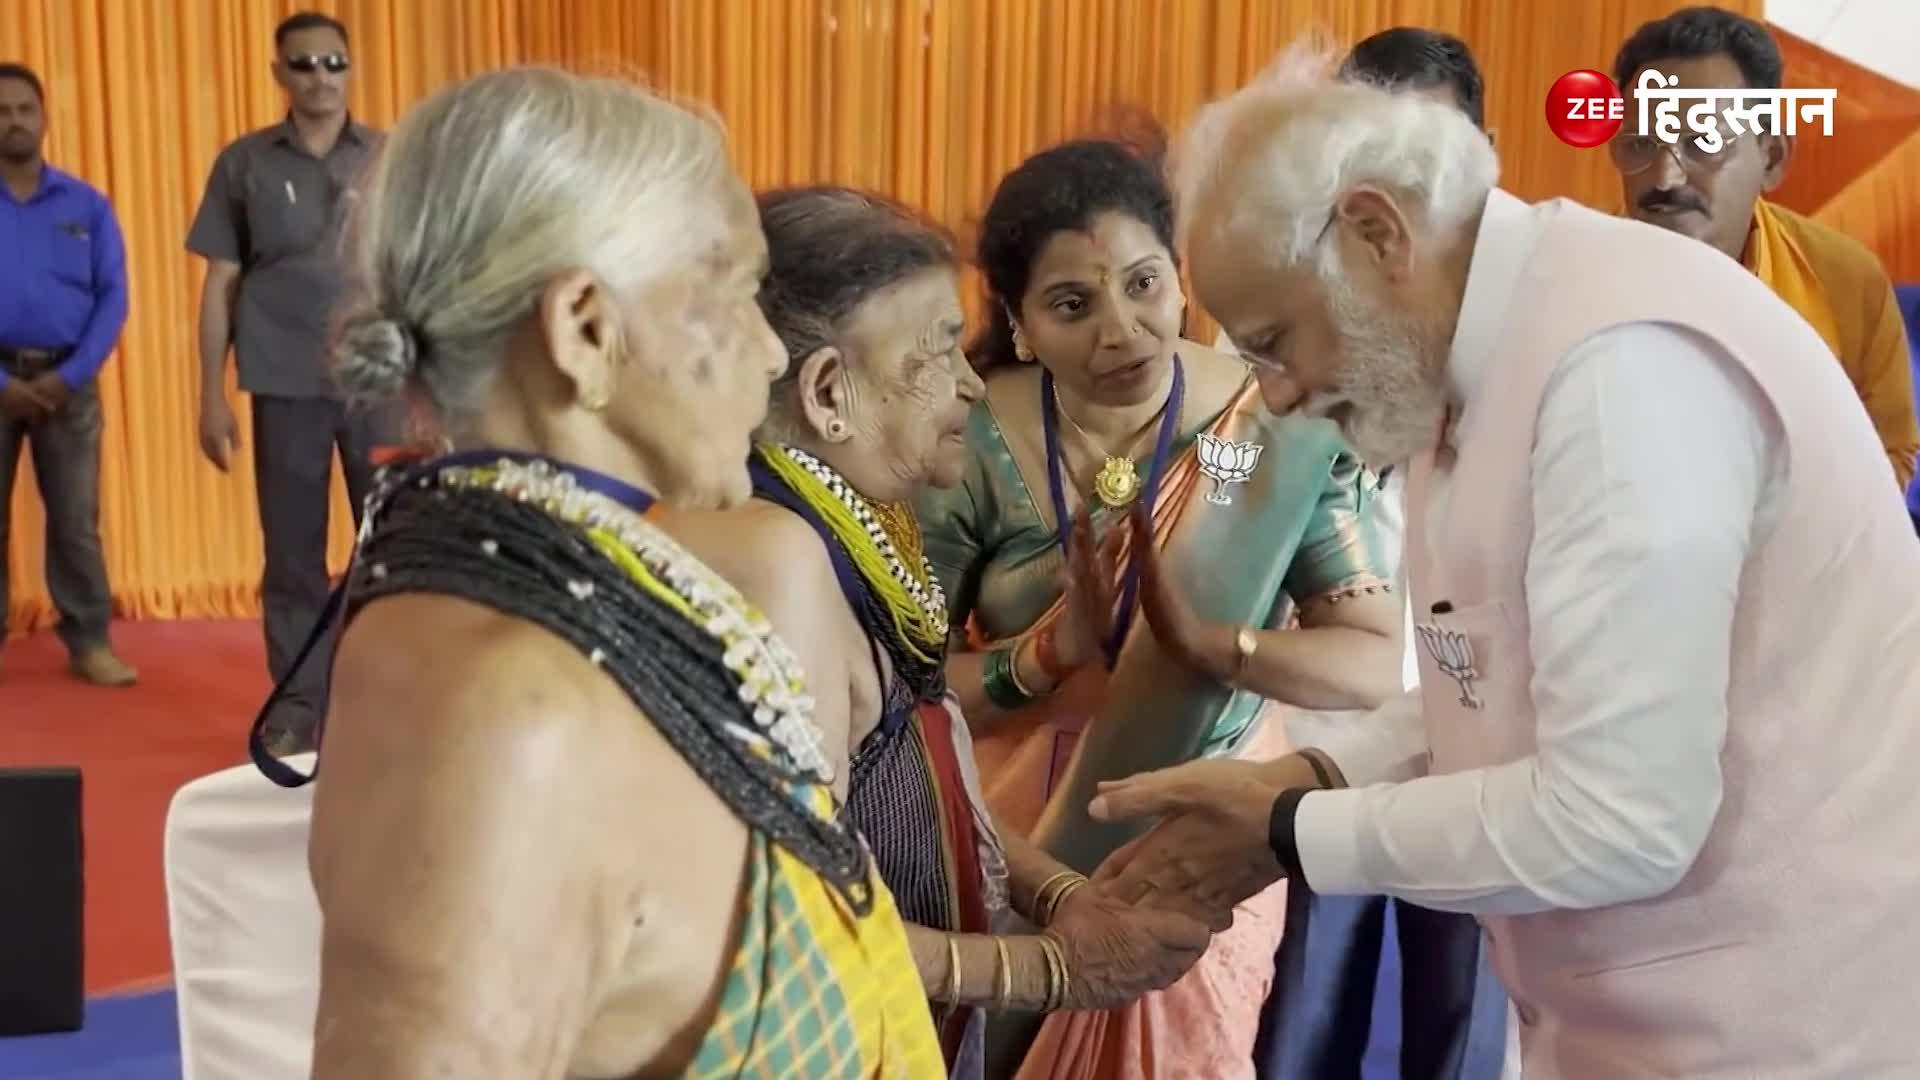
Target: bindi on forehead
1112	245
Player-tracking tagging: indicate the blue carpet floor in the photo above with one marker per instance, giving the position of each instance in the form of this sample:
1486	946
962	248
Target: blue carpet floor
130	1037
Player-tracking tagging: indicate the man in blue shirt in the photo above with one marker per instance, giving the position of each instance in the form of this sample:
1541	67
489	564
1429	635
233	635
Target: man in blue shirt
63	301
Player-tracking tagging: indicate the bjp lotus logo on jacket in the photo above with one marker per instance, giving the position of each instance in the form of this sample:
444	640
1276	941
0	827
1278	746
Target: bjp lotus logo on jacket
1226	463
1452	653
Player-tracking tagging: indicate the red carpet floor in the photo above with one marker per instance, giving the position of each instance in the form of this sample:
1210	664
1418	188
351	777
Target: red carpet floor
200	684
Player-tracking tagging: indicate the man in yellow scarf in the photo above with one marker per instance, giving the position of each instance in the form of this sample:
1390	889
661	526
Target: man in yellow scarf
1837	285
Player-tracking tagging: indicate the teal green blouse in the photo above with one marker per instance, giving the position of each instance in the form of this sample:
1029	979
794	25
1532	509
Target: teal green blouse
1000	565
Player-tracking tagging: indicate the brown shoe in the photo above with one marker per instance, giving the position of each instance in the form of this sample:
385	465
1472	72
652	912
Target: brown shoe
101	668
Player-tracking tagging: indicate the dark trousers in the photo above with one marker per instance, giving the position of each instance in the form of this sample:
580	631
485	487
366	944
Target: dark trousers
1453	1013
294	441
66	465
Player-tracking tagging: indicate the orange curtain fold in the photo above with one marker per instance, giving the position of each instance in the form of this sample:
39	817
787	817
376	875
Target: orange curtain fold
1865	178
930	101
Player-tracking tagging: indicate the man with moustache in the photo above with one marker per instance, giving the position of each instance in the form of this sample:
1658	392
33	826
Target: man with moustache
63	302
1665	740
1829	278
268	227
1452	1013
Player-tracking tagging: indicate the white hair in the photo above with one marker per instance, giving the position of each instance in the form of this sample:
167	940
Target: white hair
489	189
1282	150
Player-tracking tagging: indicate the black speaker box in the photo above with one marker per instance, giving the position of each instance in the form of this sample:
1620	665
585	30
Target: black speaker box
42	985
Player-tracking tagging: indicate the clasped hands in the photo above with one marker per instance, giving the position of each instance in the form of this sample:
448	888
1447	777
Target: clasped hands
1096	566
35	399
1209	853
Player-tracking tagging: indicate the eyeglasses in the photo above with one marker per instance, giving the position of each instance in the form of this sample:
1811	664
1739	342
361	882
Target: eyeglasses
334	63
1255	356
1635	154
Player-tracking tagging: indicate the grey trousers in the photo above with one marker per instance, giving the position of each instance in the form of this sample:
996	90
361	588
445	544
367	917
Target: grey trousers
294	443
66	465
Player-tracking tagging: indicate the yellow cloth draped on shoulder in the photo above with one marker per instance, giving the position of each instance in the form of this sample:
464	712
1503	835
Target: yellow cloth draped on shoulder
1839	287
816	988
821	982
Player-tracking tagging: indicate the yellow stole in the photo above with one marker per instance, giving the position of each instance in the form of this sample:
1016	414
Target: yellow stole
1774	256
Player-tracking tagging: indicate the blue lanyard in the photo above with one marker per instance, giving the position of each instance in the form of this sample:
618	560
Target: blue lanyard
1063	524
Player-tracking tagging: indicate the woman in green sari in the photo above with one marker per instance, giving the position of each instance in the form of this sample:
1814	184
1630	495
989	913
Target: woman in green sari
1259	573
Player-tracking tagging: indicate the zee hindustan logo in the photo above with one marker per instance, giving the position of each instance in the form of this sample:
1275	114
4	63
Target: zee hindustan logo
1585	109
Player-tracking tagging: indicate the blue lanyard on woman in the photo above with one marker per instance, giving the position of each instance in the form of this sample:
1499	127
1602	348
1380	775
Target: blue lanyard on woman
1063	524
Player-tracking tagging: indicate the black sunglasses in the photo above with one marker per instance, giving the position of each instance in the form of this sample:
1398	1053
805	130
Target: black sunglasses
335	63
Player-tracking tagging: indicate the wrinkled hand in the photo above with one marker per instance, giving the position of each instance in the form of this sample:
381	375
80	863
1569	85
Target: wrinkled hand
1200	645
21	401
219	434
1087	617
1210	853
1116	952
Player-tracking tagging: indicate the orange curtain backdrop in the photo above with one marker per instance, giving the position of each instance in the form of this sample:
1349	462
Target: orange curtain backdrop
1865	178
928	100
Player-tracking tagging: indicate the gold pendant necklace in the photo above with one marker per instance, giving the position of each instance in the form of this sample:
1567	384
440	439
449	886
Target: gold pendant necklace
1117	483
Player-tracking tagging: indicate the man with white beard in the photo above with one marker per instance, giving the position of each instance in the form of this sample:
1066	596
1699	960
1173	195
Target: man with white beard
1669	718
1454	1020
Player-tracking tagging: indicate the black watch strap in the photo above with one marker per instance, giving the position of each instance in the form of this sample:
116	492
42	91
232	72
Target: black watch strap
1280	833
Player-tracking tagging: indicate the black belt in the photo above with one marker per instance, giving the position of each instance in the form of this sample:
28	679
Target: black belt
30	363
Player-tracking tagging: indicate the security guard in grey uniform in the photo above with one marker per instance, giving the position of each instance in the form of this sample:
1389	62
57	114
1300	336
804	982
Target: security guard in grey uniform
269	227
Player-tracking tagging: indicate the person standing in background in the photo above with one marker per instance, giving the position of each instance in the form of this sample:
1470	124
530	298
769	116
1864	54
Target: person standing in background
63	302
1453	1013
269	228
1835	284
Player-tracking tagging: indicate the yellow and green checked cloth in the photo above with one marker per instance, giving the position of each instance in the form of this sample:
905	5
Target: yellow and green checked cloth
817	992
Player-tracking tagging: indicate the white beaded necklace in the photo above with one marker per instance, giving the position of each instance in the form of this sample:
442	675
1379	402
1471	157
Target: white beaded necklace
770	677
924	587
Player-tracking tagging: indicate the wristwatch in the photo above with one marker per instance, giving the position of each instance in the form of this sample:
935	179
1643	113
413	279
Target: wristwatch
1281	836
1245	643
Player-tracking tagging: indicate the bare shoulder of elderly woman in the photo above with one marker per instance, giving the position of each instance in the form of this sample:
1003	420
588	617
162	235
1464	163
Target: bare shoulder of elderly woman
518	875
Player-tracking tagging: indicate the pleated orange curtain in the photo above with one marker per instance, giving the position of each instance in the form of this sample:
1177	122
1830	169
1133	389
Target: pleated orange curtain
1865	178
928	100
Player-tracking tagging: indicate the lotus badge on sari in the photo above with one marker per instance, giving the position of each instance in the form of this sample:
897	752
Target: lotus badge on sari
1226	463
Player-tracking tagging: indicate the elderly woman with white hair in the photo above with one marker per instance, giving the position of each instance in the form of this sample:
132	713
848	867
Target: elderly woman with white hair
577	817
1652	542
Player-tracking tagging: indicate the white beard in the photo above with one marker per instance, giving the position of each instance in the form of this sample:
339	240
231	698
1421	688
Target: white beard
1395	399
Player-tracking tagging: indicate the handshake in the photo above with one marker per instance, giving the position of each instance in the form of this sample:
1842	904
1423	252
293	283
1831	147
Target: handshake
1152	907
1210	851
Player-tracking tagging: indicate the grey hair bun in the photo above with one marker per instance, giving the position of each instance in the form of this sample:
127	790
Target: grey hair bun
375	356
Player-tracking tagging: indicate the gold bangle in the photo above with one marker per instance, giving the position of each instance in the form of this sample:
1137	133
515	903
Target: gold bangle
953	971
1056	971
1039	904
1060	897
1003	993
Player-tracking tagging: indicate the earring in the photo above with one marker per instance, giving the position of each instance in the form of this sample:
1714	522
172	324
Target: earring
1020	350
836	429
595	401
